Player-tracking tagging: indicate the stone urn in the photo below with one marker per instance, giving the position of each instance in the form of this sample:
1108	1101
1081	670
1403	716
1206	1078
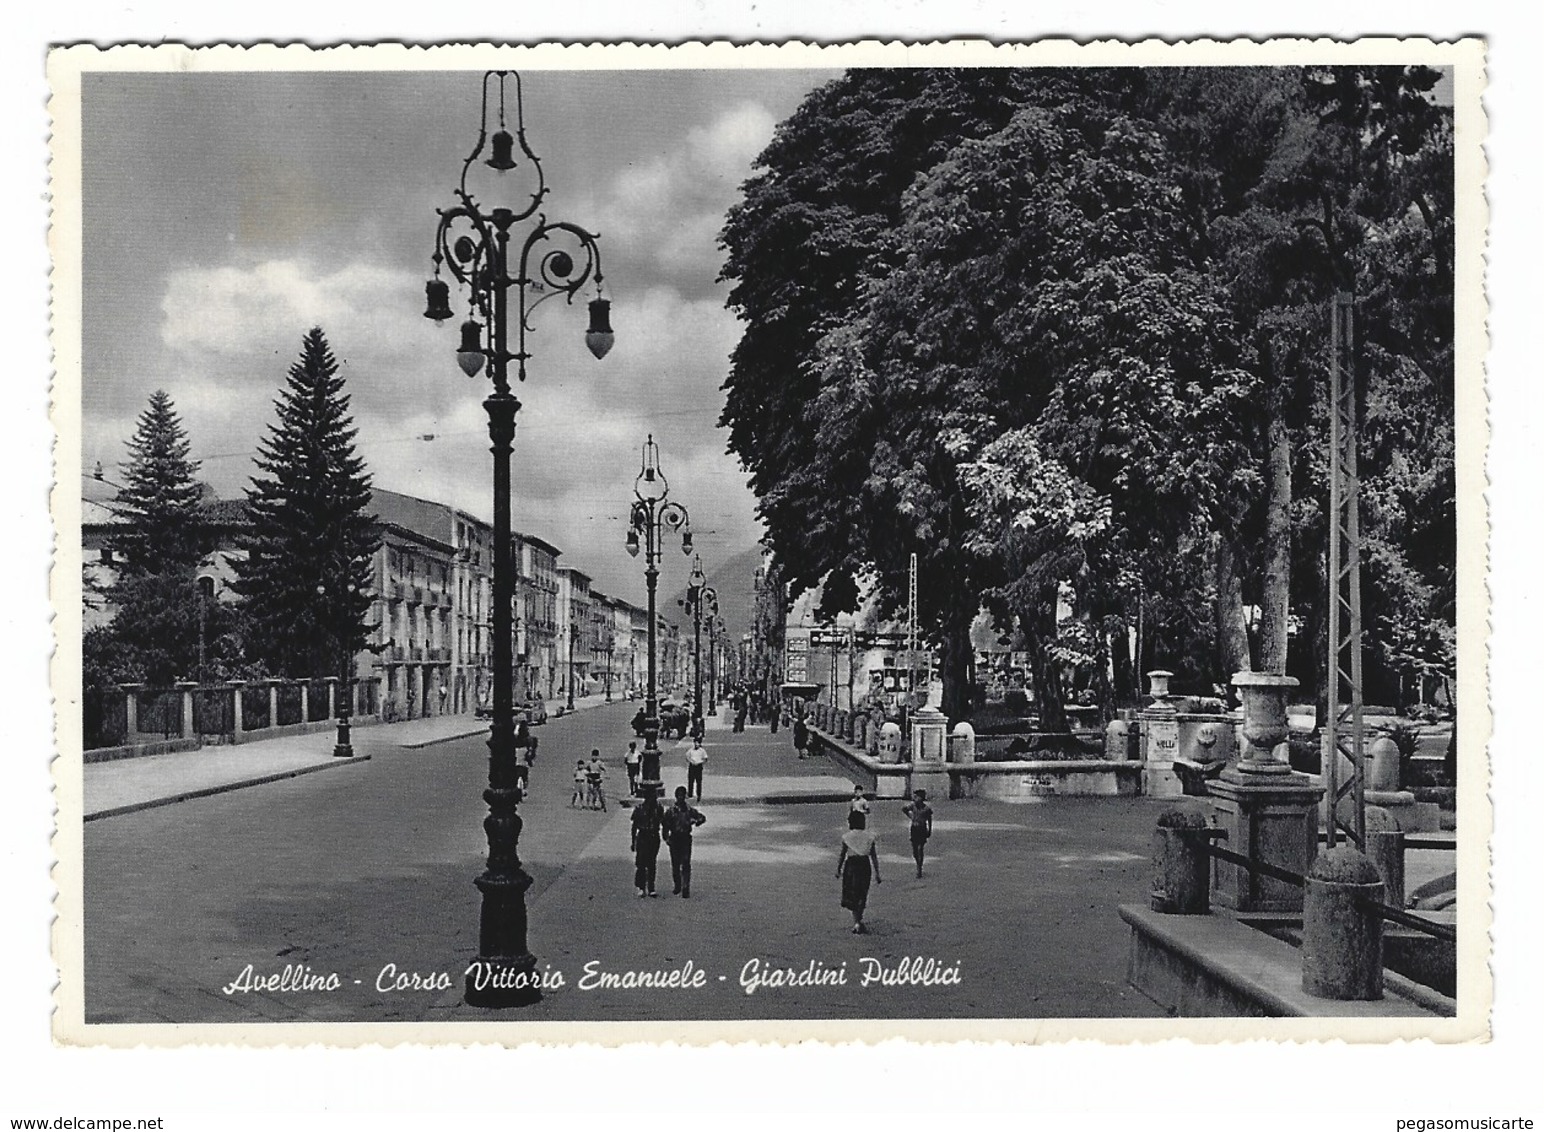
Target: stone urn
1265	721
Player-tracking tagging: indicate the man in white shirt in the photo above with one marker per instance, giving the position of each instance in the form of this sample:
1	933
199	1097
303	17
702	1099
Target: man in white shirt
695	758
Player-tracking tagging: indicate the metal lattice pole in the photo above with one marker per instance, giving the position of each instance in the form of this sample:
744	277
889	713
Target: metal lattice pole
1344	727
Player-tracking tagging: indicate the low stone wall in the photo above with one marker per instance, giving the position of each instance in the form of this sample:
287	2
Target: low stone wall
1213	966
1004	782
1030	780
139	750
883	780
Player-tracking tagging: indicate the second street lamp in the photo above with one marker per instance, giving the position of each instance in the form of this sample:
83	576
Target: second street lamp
555	258
653	513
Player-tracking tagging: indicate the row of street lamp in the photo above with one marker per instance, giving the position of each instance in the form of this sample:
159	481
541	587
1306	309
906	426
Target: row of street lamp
473	243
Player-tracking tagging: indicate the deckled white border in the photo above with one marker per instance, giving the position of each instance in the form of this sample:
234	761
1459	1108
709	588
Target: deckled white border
65	67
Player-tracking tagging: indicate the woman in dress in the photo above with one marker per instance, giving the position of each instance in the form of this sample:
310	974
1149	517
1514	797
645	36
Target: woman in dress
858	863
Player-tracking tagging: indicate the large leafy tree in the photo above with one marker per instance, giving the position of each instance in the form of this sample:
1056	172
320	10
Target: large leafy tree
306	578
817	228
1316	181
1054	346
1072	329
816	224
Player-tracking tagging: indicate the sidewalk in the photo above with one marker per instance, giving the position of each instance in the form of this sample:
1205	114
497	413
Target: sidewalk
125	786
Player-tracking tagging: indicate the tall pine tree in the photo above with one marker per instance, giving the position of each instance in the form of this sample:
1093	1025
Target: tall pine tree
154	634
306	579
159	500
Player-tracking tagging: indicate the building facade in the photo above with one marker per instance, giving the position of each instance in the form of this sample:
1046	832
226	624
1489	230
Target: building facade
575	631
537	649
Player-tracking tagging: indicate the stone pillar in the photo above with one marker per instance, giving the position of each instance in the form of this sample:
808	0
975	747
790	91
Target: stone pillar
305	701
273	704
131	712
1270	811
187	687
332	697
237	723
1160	740
1182	868
1342	933
929	728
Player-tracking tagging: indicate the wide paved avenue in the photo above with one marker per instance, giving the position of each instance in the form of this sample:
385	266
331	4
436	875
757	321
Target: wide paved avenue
368	869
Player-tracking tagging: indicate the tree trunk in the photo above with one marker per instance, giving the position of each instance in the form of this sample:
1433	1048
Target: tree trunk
1278	544
1231	625
956	667
1039	628
1127	691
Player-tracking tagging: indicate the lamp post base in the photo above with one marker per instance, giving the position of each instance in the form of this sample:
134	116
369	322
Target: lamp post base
344	747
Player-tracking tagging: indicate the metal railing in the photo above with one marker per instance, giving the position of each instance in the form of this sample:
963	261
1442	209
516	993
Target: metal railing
1394	915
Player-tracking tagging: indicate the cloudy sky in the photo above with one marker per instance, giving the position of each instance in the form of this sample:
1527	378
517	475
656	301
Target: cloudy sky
228	213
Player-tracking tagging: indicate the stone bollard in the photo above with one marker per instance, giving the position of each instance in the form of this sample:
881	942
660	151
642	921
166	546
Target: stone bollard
1342	933
1116	740
1383	765
962	743
1182	868
1386	848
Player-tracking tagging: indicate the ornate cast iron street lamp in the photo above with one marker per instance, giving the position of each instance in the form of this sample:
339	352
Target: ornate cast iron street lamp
715	652
699	595
573	635
342	588
653	514
473	243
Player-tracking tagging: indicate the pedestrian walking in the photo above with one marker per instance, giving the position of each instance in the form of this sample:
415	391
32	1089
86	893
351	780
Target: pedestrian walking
857	865
581	785
444	694
634	762
921	815
648	817
594	777
678	823
860	802
801	735
696	759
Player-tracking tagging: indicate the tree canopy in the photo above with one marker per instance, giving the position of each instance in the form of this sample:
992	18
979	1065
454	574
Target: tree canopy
1047	327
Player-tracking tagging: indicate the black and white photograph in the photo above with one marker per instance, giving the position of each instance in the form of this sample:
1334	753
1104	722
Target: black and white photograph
622	543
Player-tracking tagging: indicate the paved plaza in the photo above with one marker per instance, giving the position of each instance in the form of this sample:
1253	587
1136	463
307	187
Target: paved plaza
368	869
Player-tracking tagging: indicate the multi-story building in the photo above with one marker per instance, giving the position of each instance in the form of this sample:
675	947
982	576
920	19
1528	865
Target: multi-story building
471	659
415	585
537	652
574	629
638	648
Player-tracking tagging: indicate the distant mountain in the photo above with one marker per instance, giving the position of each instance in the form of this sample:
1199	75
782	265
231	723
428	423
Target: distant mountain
735	583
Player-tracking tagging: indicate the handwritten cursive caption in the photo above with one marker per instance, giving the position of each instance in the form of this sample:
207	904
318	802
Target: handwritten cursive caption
754	975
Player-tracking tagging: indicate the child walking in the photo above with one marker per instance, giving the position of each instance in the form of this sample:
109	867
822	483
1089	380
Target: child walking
581	786
921	815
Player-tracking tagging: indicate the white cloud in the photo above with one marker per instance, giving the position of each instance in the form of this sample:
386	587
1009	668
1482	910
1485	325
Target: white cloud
230	310
670	210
